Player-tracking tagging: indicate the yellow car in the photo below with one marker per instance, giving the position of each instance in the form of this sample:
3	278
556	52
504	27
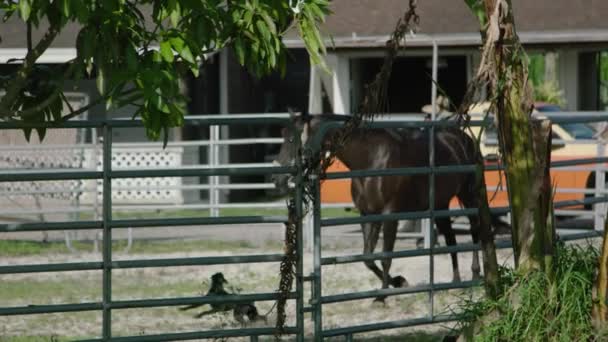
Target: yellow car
570	141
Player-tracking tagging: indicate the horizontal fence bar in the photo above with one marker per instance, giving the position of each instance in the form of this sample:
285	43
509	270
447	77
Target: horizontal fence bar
413	215
227	299
460	248
341	221
145	263
42	268
195	335
200	172
588	200
345	297
231	186
197	143
193	221
45	309
261	205
47	175
230	119
401	171
573	162
346	259
49	226
223	260
390	325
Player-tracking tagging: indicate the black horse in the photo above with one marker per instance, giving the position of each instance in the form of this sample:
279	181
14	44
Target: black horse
398	148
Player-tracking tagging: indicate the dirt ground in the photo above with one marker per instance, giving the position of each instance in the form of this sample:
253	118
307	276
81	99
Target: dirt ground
167	282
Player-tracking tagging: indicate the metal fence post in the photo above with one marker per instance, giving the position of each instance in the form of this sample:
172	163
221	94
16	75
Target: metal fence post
299	193
431	235
316	300
107	232
599	209
214	137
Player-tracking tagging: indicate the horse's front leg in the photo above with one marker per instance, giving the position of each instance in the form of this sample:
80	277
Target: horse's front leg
445	227
389	238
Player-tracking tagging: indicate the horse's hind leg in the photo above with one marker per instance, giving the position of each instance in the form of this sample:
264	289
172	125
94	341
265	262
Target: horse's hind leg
388	239
444	224
475	268
370	239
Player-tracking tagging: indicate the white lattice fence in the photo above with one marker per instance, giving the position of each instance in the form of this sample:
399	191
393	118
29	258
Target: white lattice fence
154	190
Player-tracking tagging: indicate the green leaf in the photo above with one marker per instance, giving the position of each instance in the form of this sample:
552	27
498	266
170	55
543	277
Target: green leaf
239	49
156	57
65	7
165	136
166	52
101	81
28	134
131	57
177	43
41	133
186	54
25	9
263	30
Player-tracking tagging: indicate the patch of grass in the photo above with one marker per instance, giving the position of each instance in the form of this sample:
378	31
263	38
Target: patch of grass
64	289
34	339
535	308
225	212
16	248
416	336
186	246
13	248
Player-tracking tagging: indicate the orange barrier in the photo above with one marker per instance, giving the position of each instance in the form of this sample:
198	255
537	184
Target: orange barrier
338	191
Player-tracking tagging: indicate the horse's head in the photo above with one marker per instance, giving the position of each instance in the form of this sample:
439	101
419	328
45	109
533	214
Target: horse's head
300	128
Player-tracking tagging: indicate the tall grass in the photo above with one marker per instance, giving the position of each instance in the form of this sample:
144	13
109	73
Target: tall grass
536	308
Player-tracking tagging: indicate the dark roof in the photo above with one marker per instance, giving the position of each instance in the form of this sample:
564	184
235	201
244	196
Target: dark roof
13	33
367	23
360	23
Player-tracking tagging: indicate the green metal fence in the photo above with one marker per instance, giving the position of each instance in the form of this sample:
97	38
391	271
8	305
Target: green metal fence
108	305
318	299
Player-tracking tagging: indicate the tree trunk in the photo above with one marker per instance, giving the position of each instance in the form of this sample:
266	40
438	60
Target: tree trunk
600	290
488	248
525	145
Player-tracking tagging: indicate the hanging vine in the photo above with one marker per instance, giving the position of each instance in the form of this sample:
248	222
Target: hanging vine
375	102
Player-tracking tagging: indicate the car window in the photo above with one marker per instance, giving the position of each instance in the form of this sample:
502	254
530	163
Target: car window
578	130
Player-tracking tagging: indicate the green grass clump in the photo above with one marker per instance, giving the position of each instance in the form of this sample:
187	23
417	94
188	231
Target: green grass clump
535	308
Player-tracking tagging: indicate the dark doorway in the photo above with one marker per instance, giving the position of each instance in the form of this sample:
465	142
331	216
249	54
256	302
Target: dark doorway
275	93
410	83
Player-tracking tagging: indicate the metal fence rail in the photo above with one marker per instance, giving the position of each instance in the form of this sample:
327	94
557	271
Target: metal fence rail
107	224
318	299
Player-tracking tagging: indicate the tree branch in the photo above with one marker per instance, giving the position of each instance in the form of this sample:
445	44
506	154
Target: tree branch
97	101
29	36
15	86
40	106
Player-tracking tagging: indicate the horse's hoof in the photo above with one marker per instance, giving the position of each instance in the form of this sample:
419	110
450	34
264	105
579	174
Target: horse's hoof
476	276
399	281
420	243
456	279
379	302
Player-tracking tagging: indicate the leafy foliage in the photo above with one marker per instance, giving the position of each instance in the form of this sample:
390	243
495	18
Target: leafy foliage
137	50
535	308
